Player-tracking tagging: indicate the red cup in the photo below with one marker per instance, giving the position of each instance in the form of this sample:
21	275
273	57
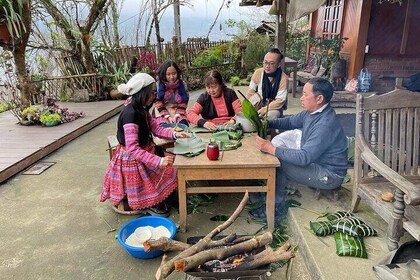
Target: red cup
212	151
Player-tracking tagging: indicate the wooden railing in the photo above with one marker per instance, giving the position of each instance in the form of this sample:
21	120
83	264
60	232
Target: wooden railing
85	87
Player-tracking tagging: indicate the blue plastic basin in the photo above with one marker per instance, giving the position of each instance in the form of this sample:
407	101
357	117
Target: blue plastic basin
128	228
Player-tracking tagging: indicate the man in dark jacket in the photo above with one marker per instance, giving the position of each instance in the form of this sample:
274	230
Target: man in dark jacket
321	160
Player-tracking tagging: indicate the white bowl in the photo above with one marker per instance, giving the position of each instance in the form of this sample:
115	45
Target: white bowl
245	123
142	234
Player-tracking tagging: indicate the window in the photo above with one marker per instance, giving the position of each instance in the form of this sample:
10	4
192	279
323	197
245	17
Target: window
333	14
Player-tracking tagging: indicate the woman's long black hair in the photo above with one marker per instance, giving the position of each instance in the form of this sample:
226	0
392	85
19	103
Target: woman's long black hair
140	98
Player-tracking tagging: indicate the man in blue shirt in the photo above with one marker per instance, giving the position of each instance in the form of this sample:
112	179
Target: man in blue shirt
321	160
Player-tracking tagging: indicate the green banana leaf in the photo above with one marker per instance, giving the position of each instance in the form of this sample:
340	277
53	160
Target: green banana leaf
229	127
354	227
251	114
222	138
347	245
365	230
322	228
189	146
339	215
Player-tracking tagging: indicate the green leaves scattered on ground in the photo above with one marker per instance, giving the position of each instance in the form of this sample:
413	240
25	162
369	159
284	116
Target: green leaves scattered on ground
194	202
219	218
295	203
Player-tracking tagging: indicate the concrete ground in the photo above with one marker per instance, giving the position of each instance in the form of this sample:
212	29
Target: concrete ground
54	227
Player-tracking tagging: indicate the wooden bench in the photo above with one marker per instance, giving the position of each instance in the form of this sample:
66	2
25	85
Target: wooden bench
387	159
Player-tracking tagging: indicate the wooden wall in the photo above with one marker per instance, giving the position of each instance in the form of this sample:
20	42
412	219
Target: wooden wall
387	28
392	33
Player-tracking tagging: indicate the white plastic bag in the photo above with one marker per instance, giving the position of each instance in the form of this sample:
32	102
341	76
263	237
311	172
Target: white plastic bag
364	80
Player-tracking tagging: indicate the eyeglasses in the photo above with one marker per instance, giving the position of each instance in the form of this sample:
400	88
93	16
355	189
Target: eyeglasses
271	64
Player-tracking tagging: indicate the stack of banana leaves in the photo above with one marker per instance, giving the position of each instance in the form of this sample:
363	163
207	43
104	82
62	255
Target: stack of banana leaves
189	147
251	114
193	146
227	140
220	127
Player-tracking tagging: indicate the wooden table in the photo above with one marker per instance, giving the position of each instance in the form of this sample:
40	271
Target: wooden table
246	162
288	62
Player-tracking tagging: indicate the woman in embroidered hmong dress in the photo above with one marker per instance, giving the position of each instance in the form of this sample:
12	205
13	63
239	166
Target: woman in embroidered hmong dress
172	95
136	172
218	105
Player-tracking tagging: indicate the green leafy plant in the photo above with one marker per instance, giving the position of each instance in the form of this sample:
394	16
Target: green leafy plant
48	117
211	56
328	49
120	74
255	51
11	16
235	80
31	114
296	41
6	106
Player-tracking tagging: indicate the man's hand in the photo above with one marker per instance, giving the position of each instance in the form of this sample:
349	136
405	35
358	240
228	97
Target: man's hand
210	126
265	146
262	112
231	122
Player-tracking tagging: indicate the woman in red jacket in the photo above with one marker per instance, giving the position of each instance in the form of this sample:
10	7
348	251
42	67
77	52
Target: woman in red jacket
218	105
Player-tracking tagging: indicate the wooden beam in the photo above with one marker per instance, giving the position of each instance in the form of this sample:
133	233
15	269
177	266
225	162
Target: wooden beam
281	26
362	27
406	28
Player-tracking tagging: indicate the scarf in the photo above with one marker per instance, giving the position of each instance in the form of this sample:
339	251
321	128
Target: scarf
268	90
164	87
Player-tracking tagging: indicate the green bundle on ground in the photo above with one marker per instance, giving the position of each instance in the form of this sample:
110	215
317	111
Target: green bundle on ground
347	245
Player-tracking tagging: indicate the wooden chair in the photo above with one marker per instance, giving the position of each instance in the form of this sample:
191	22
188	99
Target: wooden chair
387	159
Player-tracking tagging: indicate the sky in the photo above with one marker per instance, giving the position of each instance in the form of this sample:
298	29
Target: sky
196	21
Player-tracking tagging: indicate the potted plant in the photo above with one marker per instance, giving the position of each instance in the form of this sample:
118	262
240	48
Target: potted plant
328	51
119	75
11	23
50	119
30	115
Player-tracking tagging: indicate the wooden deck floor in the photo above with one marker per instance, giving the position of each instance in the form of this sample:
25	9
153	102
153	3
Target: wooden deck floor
21	146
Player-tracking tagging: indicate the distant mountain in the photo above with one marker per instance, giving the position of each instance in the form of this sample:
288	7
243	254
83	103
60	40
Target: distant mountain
192	27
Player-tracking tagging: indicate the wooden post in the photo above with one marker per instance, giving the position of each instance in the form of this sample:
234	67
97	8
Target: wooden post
281	27
177	21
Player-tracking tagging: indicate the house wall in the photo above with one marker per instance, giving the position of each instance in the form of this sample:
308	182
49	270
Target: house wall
392	33
351	32
385	69
389	57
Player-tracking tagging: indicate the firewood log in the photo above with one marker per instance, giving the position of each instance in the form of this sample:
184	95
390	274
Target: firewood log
164	244
267	256
166	268
167	244
195	260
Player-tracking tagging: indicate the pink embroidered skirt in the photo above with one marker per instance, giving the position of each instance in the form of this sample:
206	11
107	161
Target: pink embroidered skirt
143	186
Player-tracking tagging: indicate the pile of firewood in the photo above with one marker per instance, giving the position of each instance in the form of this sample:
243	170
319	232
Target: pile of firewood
206	249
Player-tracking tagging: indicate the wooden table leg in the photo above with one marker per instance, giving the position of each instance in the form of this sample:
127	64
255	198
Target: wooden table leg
182	198
270	200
